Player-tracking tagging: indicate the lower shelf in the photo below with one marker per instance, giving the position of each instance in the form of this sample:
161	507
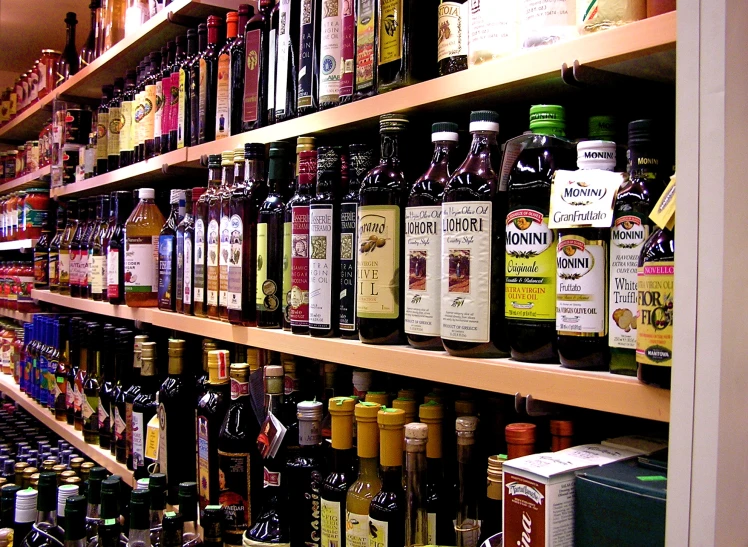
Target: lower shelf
594	390
17	315
103	457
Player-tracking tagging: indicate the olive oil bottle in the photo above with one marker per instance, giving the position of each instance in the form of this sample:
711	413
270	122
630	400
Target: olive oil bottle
299	204
203	246
530	277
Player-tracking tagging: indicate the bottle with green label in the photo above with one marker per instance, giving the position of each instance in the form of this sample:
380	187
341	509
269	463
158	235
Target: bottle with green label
530	269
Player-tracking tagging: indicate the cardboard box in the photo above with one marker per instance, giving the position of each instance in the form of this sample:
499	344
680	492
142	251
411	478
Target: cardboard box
539	493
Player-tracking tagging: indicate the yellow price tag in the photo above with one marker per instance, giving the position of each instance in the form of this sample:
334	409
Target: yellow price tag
151	440
663	213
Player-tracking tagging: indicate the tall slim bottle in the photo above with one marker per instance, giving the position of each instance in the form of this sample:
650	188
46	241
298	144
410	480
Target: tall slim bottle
256	69
97	252
144	407
95	215
115	264
141	249
416	515
206	245
192	138
61	370
90	399
188	262
175	87
439	520
299	299
209	82
167	93
79	397
107	386
272	64
224	231
188	508
76	244
131	394
381	225
238	60
126	109
179	252
423	242
118	414
68	63
287	67
213	238
74	363
71	228
157	488
530	277
151	107
367	27
167	254
307	100
140	526
467	522
330	52
41	255
54	249
75	522
224	87
116	125
347	50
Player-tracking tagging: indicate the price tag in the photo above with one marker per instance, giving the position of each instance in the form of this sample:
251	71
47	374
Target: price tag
663	213
584	198
151	440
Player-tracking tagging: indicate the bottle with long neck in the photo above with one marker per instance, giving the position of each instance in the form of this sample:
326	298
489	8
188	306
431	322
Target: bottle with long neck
330	51
108	386
206	126
334	489
387	508
180	56
224	230
98	252
238	59
102	130
423	242
179	253
185	90
213	236
188	508
115	264
381	221
93	501
416	513
206	243
144	407
41	254
76	248
367	484
131	394
84	347
89	52
68	63
439	521
45	530
299	299
167	68
188	250
90	399
72	370
367	27
167	254
148	123
54	249
225	74
94	223
118	405
307	100
140	532
157	489
467	521
269	284
61	370
75	522
195	87
256	74
126	129
287	66
71	228
116	125
158	109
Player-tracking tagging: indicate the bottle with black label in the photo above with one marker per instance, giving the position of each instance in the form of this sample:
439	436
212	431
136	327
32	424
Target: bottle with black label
530	276
324	245
287	67
257	68
208	82
472	248
423	242
381	224
309	46
582	275
238	66
452	36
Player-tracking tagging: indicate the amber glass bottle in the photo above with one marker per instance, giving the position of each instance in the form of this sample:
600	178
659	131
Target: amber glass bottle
381	221
202	244
423	242
141	249
187	226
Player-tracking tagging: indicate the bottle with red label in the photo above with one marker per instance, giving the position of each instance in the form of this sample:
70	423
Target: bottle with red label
26	281
224	97
208	82
76	248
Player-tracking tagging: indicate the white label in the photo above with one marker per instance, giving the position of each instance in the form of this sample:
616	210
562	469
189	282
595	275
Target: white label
281	85
493	30
138	440
141	264
103	414
452	37
112	268
200	258
236	282
211	260
64	266
423	242
329	63
378	533
331	523
466	271
580	291
584	198
320	266
271	76
432	528
119	425
223	260
626	240
187	272
86	409
99	274
357	530
544	22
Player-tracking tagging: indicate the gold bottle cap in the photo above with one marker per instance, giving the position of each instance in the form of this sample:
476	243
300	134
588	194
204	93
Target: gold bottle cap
495	465
218	366
76	463
86	469
239	372
341	412
431	412
367	411
227	158
433	397
239	154
176	347
29	471
148	350
379	397
20	466
391	422
253	360
67	474
73	480
391	418
48	465
59	468
407	394
408	406
34	480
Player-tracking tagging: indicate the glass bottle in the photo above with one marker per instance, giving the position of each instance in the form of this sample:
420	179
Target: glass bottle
380	254
54	248
93	501
102	130
287	66
167	65
109	534
238	460
126	109
115	264
61	370
74	364
299	204
141	235
85	345
118	414
108	386
367	484
237	59
45	530
151	122
631	227
206	249
167	254
224	99
179	253
90	399
114	27
256	73
212	523
530	255
195	87
188	275
269	284
213	237
211	410
116	125
68	63
180	56
188	509
582	272
185	86
272	59
452	39
416	516
140	532
439	520
176	434
75	521
366	45
423	242
144	407
98	251
491	508
387	508
245	204
467	523
224	230
157	489
171	530
84	260
209	82
307	100
41	256
330	52
75	249
347	51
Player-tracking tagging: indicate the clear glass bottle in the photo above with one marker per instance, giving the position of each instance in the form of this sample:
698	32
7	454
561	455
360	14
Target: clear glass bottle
184	221
140	531
45	532
97	252
141	234
188	261
416	515
188	508
467	523
440	529
65	243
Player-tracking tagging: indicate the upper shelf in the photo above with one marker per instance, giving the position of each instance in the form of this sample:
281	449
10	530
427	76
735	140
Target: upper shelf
26	181
595	390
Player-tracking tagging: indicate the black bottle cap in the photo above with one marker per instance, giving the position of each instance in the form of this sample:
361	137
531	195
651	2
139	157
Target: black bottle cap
75	518
254	150
447	127
71	18
182	40
484	116
214	160
279	148
157	488
191	32
47	500
140	501
393	122
170	525
202	28
641	132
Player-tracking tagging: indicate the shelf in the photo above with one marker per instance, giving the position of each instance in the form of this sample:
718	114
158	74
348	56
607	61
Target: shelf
595	390
18	245
17	315
26	181
103	457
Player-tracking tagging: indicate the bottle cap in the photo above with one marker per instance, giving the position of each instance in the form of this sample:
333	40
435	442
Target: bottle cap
148	350
641	132
176	347
393	122
444	131
75	518
407	393
214	160
306	142
254	150
239	372
157	488
63	493
466	424
495	465
341	405
602	127
484	120
362	380
218	366
548	119
274	370
140	502
214	21
227	158
146	193
239	154
328	160
416	431
596	155
278	149
47	500
188	500
391	417
520	433
464	408
379	397
407	405
26	505
562	428
367	411
431	412
309	411
175	196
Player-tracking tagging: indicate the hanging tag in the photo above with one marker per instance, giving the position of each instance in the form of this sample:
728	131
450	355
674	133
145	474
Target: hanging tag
271	436
511	151
663	213
151	440
584	198
257	394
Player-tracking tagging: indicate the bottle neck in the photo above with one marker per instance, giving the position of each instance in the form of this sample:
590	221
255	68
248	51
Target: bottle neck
70	38
442	150
47	517
643	160
212	35
368	467
390	147
191	46
176	365
342	459
392	478
254	169
202	42
277	174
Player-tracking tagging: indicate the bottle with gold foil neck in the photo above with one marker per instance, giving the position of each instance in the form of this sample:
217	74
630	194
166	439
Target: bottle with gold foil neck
490	509
367	484
379	397
407	405
440	531
144	408
416	517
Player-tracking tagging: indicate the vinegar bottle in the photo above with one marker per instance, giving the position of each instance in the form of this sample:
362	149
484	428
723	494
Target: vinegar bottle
141	251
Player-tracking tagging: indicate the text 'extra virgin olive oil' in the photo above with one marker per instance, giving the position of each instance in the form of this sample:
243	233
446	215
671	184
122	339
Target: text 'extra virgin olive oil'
631	228
582	275
473	206
380	251
530	299
423	242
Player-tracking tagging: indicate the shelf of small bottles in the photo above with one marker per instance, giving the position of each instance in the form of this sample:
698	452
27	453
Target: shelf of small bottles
594	390
103	457
17	315
18	245
26	181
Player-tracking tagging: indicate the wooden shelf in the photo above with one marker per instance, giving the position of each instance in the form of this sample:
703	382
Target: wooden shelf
17	315
595	390
26	181
103	457
18	245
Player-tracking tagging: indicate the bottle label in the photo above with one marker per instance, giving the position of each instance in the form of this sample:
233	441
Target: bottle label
581	267
546	21
165	275
69	396
194	104
378	261
166	106
98	274
187	272
320	266
365	44
120	428
181	108
423	247
173	99
356	530
103	416
83	268
64	267
138	440
125	131
347	48
199	260
431	533
141	264
128	429
223	259
299	312
348	255
306	54
252	41
24	286
330	50
654	340
627	238
202	100
115	129
530	266
287	228
212	262
41	267
493	31
390	31
271	79
452	37
89	410
148	120
378	530
203	461
102	130
75	268
331	523
112	274
223	97
284	52
179	283
234	469
54	268
262	267
235	279
159	109
137	116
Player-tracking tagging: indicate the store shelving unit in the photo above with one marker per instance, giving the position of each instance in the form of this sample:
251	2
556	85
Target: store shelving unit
103	457
18	245
17	315
26	181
